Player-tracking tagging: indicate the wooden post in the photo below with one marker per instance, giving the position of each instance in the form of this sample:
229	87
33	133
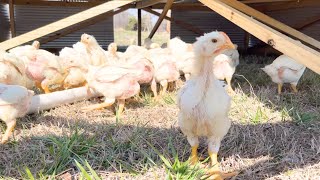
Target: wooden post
139	27
290	47
64	23
12	21
161	17
272	22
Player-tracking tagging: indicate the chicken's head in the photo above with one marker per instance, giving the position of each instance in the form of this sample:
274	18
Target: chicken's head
112	48
36	44
88	39
212	44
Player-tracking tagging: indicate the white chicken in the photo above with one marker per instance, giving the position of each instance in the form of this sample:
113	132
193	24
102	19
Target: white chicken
95	52
165	67
224	66
76	63
113	82
112	55
14	102
12	71
203	102
149	44
21	51
285	70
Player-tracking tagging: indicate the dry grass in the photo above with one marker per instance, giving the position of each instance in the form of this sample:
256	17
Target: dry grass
272	137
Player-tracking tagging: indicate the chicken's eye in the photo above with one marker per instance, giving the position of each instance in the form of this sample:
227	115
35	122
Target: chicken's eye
214	40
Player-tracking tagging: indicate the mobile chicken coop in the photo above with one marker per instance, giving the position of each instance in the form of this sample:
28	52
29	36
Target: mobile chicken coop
289	26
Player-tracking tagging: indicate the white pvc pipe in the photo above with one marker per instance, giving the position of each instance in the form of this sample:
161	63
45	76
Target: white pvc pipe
47	101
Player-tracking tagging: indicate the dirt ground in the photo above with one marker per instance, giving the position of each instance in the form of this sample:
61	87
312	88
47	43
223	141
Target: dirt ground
272	137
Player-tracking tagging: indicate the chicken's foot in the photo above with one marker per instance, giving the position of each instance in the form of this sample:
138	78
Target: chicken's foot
10	127
97	106
214	172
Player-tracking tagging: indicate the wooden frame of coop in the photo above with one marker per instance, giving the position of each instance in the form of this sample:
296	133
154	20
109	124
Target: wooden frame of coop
247	14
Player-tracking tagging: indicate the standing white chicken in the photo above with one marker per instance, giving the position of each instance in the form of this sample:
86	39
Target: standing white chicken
203	102
285	70
95	52
14	102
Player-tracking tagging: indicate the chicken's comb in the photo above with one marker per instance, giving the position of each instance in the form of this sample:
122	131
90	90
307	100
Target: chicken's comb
225	36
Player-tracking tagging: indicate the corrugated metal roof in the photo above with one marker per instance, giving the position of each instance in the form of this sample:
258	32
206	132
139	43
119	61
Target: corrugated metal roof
31	17
4	23
207	22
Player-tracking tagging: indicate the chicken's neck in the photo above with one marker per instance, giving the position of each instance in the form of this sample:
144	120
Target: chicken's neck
204	73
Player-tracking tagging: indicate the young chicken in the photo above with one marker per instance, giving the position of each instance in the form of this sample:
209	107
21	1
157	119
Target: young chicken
203	102
285	70
224	66
165	68
113	82
183	54
14	102
95	52
44	68
112	55
149	44
21	51
12	71
76	63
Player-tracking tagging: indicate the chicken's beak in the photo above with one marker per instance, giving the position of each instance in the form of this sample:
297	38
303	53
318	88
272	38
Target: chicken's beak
228	44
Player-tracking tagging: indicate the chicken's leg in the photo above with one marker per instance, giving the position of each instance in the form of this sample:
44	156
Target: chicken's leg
45	88
121	106
294	87
194	142
164	84
10	127
279	88
154	88
214	172
108	102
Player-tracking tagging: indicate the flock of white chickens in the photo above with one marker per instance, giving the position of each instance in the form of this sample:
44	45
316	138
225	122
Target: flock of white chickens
118	76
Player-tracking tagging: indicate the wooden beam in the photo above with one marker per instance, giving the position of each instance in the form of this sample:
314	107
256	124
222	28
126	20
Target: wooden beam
139	27
64	23
161	17
178	22
12	21
296	50
54	3
82	25
272	22
147	3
